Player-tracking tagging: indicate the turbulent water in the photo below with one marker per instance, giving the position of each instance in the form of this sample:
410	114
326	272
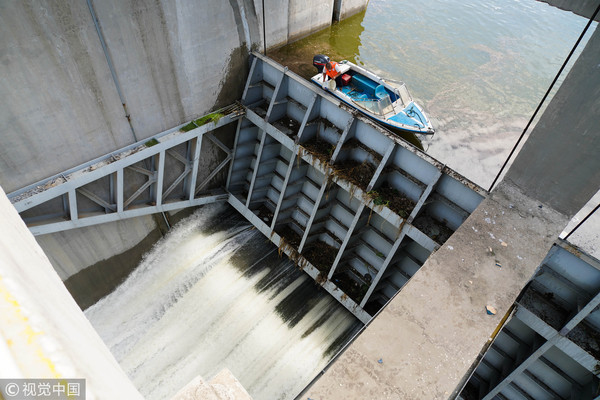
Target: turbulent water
212	294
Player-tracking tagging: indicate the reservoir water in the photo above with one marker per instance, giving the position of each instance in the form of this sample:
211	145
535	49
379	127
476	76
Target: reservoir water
214	293
478	68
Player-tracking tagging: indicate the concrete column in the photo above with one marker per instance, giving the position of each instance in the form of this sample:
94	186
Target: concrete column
559	163
343	9
45	332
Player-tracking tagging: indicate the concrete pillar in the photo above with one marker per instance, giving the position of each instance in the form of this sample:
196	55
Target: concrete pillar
43	332
585	8
559	164
343	9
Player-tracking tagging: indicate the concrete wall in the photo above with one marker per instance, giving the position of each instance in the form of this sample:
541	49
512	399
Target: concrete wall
47	339
60	106
69	250
585	8
346	8
559	163
305	17
172	58
289	20
173	61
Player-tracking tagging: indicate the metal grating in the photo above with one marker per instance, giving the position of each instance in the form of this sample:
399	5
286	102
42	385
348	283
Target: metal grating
356	207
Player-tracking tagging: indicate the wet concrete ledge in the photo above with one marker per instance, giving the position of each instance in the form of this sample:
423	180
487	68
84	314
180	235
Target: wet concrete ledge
424	342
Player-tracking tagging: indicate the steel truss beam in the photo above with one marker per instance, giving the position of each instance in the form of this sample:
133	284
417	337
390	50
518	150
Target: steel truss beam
157	162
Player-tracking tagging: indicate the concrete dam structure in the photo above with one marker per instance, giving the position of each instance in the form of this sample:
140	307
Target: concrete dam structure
87	78
411	248
356	207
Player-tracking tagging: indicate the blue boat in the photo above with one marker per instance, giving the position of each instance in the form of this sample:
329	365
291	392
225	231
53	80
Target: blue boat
386	101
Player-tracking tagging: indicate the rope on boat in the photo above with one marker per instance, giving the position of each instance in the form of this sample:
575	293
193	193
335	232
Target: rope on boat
411	113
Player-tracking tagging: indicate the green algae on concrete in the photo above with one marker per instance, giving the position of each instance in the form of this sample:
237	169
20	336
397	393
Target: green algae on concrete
212	117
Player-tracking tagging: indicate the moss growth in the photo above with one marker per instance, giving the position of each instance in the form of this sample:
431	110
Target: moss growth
151	142
358	173
189	127
353	289
378	200
212	117
290	236
393	199
319	148
320	255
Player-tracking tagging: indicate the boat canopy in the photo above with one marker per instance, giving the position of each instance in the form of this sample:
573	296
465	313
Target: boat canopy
379	106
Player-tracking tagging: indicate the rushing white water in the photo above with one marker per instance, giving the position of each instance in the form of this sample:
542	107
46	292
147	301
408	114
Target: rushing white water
213	294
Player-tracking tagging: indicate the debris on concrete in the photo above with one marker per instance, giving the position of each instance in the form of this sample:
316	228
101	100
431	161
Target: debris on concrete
490	310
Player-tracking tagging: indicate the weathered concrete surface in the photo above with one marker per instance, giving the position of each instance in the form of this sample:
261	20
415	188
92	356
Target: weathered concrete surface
430	334
305	17
223	386
288	20
347	8
559	163
60	107
171	57
174	61
47	339
585	8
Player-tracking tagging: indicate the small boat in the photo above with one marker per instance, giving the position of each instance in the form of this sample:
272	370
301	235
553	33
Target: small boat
386	101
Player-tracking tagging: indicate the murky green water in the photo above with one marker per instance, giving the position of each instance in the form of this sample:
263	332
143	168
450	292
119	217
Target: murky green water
478	68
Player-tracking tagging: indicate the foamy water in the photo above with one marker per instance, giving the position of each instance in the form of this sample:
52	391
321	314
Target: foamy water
214	294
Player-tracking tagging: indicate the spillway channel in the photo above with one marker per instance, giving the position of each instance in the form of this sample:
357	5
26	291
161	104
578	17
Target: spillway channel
215	293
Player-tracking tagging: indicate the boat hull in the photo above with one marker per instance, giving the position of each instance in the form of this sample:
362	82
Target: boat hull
409	136
391	106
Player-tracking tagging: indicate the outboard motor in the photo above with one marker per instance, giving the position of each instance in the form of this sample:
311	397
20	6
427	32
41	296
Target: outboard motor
319	62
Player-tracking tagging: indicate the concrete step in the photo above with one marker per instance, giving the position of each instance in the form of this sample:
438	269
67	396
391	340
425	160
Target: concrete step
228	387
223	386
196	389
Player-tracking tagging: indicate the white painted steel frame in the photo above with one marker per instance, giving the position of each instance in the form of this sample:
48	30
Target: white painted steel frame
551	337
74	180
